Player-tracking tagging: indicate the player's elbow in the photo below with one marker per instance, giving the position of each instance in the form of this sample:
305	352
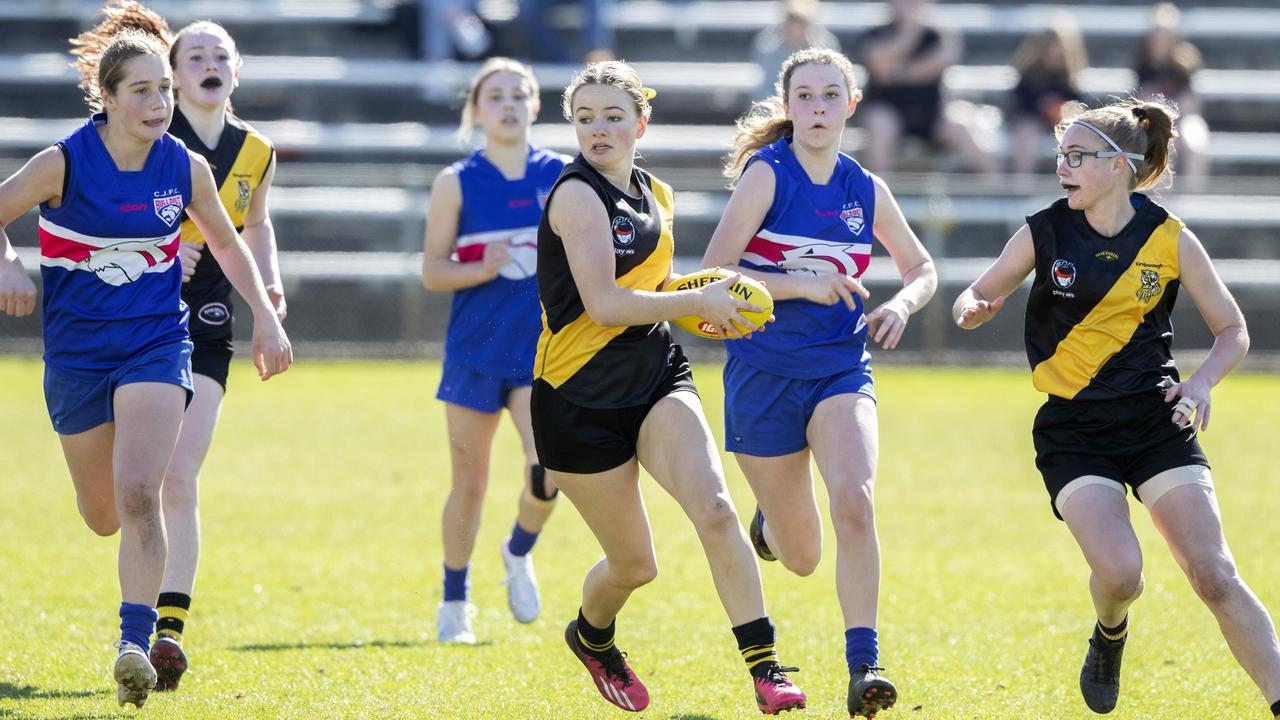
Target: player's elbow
432	277
603	313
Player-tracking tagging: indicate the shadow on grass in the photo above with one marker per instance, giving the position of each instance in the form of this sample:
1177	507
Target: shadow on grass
9	691
277	647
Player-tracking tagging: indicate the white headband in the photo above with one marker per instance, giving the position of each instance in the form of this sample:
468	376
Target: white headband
1128	156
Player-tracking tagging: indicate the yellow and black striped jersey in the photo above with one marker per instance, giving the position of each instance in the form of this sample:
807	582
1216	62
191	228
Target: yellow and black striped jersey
239	164
1098	318
592	365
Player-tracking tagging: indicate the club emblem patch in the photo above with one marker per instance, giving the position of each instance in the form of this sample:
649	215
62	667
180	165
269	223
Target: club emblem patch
242	201
624	233
1150	280
1064	273
169	209
214	313
853	218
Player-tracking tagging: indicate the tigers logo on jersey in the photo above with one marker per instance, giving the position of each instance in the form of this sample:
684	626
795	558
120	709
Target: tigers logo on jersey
1150	280
853	218
169	208
242	201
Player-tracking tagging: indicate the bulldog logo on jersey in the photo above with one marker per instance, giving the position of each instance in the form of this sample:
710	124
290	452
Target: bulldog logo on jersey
1150	280
169	208
125	262
624	233
1064	273
853	218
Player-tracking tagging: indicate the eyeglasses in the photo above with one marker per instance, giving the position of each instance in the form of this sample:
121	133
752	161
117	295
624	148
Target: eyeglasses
1075	157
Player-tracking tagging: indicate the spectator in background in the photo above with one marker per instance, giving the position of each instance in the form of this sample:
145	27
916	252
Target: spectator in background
905	61
595	37
1164	65
1049	65
798	30
449	29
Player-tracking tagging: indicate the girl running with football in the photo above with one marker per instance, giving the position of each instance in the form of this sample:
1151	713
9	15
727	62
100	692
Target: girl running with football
801	218
613	392
481	243
1108	264
117	352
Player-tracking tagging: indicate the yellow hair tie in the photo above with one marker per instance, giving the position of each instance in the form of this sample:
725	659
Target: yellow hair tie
648	93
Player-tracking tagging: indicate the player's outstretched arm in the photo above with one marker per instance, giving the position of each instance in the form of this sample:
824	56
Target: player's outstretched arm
983	299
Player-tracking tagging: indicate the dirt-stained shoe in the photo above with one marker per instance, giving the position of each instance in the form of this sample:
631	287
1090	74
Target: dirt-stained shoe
133	674
169	661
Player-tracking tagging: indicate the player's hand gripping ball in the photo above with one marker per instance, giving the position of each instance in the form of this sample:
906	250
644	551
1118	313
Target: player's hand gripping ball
748	289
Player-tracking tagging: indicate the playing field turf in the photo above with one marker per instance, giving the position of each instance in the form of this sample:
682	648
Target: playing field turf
320	575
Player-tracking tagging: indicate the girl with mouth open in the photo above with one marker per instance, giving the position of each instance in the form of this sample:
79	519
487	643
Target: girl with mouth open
1108	264
117	350
206	70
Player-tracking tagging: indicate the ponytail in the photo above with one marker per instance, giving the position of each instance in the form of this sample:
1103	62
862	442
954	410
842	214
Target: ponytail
129	29
1155	119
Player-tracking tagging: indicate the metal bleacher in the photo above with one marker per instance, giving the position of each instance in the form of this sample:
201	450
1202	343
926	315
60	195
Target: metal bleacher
361	130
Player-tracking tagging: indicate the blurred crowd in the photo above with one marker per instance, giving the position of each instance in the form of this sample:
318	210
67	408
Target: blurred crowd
906	109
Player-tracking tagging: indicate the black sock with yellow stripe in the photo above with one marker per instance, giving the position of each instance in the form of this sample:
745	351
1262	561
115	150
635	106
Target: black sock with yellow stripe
172	608
1114	634
597	642
755	642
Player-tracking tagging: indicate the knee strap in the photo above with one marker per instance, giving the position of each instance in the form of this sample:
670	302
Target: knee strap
538	483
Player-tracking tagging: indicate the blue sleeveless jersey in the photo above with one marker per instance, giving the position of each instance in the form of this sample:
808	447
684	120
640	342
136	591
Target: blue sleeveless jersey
494	326
811	229
112	287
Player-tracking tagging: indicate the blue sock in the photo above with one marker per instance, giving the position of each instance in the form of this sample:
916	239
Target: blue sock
137	622
521	540
455	583
861	647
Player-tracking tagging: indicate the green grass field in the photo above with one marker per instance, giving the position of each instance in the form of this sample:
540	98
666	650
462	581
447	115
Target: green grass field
320	577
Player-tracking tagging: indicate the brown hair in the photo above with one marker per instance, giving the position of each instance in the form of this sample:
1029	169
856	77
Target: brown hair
614	73
128	30
206	26
766	122
491	67
1139	126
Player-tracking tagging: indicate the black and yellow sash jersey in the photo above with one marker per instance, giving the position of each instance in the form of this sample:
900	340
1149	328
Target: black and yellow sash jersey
239	165
592	365
1098	324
